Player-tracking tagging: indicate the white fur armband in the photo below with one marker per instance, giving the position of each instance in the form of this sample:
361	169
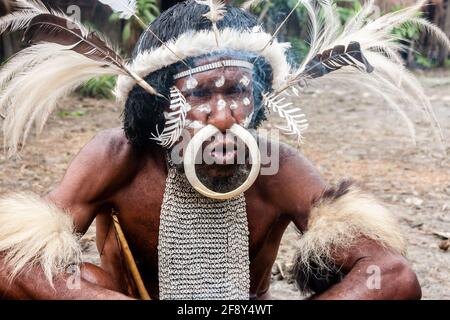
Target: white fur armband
339	218
35	232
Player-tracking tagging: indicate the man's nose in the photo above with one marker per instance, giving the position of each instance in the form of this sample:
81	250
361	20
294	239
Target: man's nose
221	116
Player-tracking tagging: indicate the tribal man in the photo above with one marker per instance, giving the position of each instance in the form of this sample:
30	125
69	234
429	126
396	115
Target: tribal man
186	176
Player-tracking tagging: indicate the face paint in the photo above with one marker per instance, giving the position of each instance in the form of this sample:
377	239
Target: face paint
245	81
191	83
221	105
205	108
234	105
220	82
195	124
246	101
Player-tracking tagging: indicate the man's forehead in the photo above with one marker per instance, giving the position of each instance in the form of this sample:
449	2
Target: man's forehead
230	73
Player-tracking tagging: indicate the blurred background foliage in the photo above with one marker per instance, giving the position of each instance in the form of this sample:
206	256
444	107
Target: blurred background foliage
423	50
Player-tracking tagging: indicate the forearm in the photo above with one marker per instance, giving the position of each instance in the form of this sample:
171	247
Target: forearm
370	280
33	285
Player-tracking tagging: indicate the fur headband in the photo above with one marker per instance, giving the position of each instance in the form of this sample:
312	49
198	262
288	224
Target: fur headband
193	44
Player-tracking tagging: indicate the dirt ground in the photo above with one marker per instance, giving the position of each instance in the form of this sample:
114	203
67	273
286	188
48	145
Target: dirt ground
352	134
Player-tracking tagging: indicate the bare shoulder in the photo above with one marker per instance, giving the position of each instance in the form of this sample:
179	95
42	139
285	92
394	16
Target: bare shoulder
296	184
107	143
102	166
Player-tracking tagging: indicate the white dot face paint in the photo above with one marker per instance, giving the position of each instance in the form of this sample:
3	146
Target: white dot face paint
245	81
204	108
195	125
220	82
246	101
191	83
221	105
234	105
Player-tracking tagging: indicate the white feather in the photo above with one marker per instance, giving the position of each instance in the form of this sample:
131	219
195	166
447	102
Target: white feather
382	49
21	16
126	8
247	5
216	9
23	60
216	13
28	100
295	119
175	120
24	12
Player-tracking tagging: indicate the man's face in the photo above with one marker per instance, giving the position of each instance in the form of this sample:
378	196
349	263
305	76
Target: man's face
221	97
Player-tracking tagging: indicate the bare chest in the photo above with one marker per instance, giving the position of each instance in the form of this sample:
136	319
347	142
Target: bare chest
140	205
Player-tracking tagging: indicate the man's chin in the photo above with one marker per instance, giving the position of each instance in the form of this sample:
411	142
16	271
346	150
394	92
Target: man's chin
222	178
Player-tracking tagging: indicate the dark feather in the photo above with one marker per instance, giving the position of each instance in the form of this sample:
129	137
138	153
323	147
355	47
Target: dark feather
334	193
59	30
334	59
54	29
6	6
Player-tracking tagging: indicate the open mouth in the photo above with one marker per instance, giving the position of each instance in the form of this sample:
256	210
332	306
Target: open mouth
224	153
223	150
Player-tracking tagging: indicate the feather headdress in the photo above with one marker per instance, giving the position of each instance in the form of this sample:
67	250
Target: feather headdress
126	10
247	5
363	52
216	12
175	120
63	53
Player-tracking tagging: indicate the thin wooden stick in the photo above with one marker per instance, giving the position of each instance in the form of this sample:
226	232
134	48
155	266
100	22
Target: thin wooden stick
130	259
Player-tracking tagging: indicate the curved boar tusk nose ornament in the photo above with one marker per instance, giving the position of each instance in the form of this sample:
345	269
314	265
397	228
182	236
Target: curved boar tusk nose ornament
196	143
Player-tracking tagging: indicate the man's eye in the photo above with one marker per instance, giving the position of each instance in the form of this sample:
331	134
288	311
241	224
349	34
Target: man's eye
236	90
199	93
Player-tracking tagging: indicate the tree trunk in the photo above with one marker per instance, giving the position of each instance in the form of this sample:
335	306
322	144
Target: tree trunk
443	53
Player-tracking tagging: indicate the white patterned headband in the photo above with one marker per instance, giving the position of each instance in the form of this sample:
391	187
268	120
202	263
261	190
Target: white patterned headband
214	65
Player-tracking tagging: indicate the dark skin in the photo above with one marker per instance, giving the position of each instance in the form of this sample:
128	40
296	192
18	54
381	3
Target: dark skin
109	173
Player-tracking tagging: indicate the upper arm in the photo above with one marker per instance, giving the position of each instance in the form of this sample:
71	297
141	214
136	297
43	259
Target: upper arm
295	187
98	170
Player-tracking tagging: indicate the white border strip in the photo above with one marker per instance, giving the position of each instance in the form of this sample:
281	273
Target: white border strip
215	65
